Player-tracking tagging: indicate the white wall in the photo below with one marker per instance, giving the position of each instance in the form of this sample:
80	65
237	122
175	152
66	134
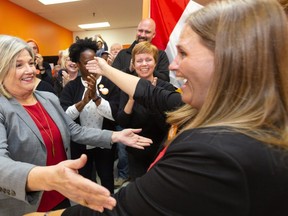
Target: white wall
122	36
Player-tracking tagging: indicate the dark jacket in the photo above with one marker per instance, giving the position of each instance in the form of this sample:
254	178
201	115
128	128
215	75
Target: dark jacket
153	124
73	92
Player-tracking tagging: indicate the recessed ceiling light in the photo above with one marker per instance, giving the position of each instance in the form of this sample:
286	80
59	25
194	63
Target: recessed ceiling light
49	2
94	25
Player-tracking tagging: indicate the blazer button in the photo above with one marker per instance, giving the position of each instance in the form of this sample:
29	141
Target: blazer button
13	193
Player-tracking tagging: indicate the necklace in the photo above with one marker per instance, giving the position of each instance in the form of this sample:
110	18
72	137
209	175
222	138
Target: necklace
50	134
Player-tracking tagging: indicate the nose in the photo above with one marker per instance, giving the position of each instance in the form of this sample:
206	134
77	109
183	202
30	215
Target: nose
174	65
30	68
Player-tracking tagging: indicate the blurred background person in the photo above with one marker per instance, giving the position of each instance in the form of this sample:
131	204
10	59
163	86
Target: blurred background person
69	71
105	55
44	70
114	50
101	44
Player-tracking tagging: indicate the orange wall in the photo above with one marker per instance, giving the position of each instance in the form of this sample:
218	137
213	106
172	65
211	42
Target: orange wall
17	21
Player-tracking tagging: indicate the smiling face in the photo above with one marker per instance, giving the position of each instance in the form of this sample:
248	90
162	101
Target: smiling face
145	30
144	65
20	79
195	63
70	66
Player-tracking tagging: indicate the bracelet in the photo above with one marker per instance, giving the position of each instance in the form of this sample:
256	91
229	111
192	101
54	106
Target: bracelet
96	98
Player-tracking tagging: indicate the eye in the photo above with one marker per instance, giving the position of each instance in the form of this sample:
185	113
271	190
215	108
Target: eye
32	64
19	65
149	59
181	52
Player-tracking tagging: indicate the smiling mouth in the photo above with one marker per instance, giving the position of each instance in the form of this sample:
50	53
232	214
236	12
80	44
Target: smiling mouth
28	78
182	79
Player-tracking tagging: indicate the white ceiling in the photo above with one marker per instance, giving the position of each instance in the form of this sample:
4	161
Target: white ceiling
119	13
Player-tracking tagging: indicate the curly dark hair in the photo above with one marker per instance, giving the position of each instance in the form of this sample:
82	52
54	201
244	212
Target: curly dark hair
80	46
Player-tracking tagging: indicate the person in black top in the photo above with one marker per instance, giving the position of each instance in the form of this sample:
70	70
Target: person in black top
133	114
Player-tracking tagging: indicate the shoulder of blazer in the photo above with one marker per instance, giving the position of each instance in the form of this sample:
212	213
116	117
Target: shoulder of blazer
46	95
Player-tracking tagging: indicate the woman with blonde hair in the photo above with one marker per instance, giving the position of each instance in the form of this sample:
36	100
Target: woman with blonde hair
69	71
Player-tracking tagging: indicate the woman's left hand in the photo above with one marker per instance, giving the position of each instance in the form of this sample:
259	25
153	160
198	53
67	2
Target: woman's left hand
130	138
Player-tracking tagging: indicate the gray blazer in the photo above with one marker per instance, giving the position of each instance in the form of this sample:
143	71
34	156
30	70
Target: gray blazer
22	148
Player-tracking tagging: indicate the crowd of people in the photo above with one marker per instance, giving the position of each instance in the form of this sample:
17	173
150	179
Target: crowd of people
219	146
36	138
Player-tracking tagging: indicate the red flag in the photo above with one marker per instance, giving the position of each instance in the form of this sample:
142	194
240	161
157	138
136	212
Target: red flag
169	16
166	14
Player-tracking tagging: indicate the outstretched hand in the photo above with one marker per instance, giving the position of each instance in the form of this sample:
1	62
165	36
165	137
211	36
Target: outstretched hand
130	138
68	182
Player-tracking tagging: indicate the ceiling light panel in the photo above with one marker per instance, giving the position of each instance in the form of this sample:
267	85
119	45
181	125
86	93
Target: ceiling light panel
49	2
94	25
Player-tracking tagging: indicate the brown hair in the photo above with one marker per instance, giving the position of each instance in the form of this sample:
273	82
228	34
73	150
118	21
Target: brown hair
249	88
145	47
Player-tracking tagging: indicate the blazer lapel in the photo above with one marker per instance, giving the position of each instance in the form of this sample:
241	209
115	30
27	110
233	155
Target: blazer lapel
54	114
23	114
